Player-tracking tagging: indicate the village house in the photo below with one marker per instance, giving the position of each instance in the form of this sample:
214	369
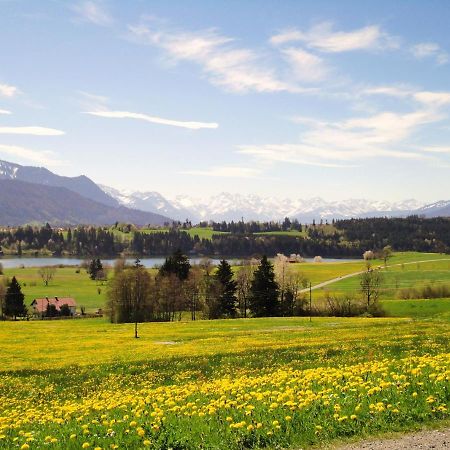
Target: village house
39	305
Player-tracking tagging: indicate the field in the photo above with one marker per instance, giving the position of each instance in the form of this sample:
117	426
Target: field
249	383
92	294
234	384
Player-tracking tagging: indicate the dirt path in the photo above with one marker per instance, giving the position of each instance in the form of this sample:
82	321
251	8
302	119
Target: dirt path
354	274
429	439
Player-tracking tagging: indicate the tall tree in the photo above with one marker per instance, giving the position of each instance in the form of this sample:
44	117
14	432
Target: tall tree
264	291
227	297
177	264
14	300
95	269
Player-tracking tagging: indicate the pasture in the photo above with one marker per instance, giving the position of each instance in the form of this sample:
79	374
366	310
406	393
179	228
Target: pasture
249	383
235	384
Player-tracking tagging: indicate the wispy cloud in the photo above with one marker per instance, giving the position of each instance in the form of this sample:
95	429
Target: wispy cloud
348	142
434	99
306	66
430	50
6	90
226	172
131	115
437	149
44	157
34	131
5	111
94	12
223	63
324	38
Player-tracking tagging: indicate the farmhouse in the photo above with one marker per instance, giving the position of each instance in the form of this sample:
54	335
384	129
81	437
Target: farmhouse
40	305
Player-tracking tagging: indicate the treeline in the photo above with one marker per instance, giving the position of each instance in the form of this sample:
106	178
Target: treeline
402	234
80	241
345	238
260	290
236	245
256	289
254	226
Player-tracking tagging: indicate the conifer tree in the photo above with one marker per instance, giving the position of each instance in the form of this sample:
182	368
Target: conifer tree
264	291
227	298
177	264
15	300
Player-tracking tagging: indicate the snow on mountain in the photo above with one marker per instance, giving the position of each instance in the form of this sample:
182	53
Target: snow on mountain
227	206
151	202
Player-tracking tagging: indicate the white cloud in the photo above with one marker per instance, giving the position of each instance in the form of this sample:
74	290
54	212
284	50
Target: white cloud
5	111
306	66
429	98
348	142
6	90
437	149
322	37
43	157
222	62
34	131
226	172
152	119
430	50
93	12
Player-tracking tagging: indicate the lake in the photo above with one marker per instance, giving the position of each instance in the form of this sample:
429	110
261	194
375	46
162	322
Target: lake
15	262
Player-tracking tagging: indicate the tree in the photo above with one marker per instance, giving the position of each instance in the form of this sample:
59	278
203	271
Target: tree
386	254
95	269
281	271
370	282
177	264
244	279
129	297
2	298
51	311
227	294
264	291
47	273
64	310
14	300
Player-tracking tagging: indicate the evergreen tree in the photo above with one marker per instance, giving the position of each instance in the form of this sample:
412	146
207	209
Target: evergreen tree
227	298
264	291
177	264
95	268
15	300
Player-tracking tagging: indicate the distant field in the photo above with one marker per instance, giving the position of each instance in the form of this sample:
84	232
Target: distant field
66	283
419	308
202	233
78	285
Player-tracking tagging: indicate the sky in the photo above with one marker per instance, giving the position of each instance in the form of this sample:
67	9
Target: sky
296	99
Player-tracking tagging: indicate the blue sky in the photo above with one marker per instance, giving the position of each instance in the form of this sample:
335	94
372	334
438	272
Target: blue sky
297	99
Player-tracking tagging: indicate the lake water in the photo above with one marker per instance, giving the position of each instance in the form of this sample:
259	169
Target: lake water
12	263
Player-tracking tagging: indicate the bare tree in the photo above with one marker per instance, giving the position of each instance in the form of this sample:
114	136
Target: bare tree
281	264
370	282
47	273
244	278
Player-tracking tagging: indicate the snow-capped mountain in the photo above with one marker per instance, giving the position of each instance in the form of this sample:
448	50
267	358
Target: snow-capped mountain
226	206
151	202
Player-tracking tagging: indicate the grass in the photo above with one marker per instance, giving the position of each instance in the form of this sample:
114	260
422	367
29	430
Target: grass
419	308
397	277
250	383
201	232
66	283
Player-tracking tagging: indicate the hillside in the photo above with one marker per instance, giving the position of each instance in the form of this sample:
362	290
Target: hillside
82	185
22	202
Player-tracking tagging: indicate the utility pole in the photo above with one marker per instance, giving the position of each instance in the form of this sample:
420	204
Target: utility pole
310	302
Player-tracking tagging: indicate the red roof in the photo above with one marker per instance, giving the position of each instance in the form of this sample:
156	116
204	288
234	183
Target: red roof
41	304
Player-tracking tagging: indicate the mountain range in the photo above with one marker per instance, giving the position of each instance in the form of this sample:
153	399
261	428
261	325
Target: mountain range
226	206
35	194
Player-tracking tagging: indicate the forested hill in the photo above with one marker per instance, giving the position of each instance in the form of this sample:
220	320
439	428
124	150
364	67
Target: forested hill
412	233
348	238
22	202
